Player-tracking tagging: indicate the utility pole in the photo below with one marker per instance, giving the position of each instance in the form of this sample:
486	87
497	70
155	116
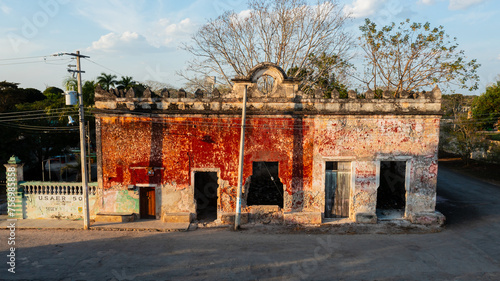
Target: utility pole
237	217
83	149
83	152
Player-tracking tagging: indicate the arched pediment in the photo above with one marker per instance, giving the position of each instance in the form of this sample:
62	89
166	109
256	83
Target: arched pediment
267	68
282	86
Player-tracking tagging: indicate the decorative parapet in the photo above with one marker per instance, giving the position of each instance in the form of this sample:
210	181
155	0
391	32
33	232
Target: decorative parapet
283	98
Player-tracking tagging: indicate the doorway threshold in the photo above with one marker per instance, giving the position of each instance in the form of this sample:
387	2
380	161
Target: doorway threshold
388	215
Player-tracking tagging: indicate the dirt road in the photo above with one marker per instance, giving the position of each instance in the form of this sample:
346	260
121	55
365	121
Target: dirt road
467	249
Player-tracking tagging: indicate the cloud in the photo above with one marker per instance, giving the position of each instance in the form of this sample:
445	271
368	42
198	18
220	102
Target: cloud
121	19
165	33
5	9
112	42
245	14
364	8
463	4
426	2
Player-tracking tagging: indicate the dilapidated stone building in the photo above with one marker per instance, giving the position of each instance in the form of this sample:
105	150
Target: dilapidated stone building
174	158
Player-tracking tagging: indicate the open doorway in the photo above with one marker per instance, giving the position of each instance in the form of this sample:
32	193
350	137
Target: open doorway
205	194
337	189
147	202
265	185
391	194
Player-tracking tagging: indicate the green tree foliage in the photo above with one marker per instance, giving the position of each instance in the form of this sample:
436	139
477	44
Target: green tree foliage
465	136
70	84
454	104
11	94
409	56
320	75
88	90
106	81
486	107
36	135
126	82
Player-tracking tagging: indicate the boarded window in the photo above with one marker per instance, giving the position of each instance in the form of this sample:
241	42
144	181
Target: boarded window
265	185
337	189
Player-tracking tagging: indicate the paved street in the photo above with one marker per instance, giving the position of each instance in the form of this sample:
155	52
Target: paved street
467	249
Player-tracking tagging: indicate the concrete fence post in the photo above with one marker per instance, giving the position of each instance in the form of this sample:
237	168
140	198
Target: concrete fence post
15	192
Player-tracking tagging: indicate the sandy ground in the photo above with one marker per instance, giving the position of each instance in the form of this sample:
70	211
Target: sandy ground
467	249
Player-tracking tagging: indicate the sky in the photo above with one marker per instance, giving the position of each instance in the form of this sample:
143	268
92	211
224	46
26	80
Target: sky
142	38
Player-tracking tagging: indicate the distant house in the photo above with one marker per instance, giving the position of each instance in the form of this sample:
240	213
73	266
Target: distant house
306	159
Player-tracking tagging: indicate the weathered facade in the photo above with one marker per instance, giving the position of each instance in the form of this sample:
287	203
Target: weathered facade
305	159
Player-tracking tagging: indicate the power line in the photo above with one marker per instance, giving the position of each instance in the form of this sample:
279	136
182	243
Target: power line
23	58
103	66
45	111
39	128
38	61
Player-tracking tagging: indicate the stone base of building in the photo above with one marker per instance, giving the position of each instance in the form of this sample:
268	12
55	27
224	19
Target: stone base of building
228	218
302	218
177	217
365	218
430	218
114	217
265	214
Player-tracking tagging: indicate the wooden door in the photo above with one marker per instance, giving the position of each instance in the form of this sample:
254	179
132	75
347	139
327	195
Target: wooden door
147	202
342	193
330	188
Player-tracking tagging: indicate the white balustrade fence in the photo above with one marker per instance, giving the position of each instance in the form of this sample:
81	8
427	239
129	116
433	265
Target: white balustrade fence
61	200
57	188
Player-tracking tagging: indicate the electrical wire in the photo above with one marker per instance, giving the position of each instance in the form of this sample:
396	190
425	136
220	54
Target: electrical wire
42	111
103	66
37	61
40	128
23	58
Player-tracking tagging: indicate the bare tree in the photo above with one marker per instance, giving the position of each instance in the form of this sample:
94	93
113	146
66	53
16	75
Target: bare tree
285	32
409	56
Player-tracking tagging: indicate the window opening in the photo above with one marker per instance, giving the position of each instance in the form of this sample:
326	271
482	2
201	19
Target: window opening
265	84
265	185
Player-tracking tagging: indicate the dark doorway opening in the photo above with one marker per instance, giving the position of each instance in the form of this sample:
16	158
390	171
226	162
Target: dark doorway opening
391	194
205	194
337	189
265	185
147	203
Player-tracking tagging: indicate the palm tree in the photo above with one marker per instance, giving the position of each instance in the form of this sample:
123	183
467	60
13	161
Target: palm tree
126	82
106	80
70	83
